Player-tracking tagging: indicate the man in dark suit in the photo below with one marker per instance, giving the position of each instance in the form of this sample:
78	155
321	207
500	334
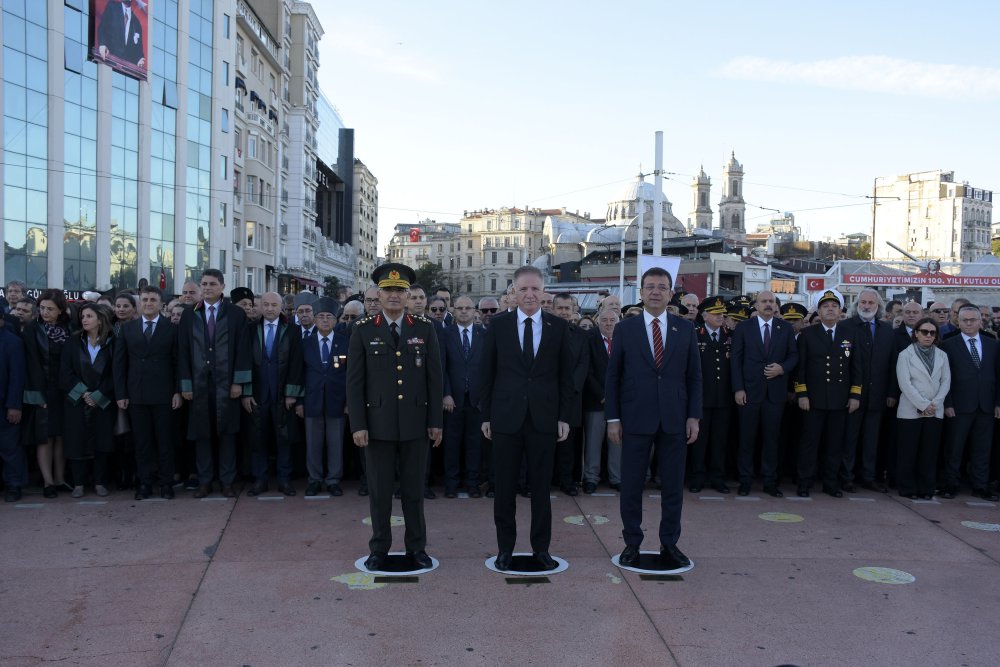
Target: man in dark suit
12	374
145	374
461	356
276	363
708	454
828	387
875	347
525	399
120	33
903	336
653	399
213	365
763	351
595	426
394	393
971	405
569	450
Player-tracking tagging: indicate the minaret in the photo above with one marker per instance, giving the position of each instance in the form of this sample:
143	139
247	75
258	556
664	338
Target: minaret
732	208
701	209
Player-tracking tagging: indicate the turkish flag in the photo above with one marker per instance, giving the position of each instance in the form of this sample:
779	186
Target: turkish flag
414	235
815	284
163	278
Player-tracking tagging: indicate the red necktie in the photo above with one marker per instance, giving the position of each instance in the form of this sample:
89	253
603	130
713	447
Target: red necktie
657	344
607	344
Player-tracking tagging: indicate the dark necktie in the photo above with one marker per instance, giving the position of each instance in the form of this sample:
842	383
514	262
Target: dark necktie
211	322
325	352
829	332
715	337
149	329
269	338
767	337
394	330
528	347
657	344
871	327
974	352
466	345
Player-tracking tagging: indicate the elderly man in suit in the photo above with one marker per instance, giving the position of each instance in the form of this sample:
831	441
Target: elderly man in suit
394	394
12	374
461	355
763	351
971	405
594	424
653	399
145	375
525	399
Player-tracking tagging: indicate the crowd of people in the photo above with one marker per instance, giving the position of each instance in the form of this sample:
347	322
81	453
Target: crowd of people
152	394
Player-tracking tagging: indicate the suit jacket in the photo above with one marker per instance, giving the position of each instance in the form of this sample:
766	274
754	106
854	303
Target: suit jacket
12	370
749	359
716	371
878	361
828	372
112	34
597	374
972	389
325	384
513	393
461	373
145	371
279	376
917	387
87	429
578	342
643	397
394	392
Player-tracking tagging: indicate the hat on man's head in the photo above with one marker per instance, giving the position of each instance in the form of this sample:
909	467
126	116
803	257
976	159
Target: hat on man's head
325	304
393	274
793	312
830	295
738	312
304	298
675	300
240	293
713	304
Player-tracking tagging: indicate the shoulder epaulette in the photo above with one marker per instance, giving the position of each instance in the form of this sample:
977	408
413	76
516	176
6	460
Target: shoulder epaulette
363	320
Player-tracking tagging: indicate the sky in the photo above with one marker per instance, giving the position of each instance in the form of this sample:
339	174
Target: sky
467	105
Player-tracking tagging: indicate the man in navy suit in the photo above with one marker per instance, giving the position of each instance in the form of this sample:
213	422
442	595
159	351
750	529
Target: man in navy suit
15	466
764	350
461	352
595	426
971	405
653	398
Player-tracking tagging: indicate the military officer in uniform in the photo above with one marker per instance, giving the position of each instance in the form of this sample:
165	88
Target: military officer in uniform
709	451
828	387
394	394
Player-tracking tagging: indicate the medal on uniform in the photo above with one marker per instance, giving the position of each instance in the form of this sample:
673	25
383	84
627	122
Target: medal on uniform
336	361
418	361
846	345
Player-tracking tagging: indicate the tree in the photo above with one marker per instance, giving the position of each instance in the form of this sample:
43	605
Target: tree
430	275
861	251
331	285
996	247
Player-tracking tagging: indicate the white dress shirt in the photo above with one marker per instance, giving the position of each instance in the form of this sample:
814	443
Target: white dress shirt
662	317
536	328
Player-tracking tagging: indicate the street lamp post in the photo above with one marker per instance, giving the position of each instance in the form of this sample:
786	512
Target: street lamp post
621	259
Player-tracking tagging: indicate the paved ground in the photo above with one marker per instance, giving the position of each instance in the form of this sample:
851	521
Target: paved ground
272	582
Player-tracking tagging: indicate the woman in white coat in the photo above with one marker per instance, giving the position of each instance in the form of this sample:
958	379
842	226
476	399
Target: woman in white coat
924	379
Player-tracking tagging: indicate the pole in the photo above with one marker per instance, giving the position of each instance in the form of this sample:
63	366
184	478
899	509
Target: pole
640	237
621	267
874	206
658	197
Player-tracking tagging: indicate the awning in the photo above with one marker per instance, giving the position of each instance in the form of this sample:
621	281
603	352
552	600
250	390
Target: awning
306	281
240	84
271	113
254	97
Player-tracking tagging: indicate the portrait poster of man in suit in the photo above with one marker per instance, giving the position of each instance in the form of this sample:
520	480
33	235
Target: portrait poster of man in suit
119	31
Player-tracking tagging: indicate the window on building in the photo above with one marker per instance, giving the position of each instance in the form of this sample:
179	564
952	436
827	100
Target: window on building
493	258
223	167
225	72
470	243
225	25
468	261
493	284
239	48
252	144
510	258
251	234
223	213
225	120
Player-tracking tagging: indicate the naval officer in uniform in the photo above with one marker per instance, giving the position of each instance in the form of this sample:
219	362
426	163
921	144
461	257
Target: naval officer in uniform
394	393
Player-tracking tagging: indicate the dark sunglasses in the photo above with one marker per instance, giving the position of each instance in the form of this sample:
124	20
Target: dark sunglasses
345	316
487	310
940	310
438	310
927	332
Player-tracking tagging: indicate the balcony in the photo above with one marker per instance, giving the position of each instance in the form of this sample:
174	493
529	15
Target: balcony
254	117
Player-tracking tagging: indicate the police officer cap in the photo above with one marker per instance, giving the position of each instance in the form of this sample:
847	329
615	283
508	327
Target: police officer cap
394	275
793	312
240	293
738	312
325	304
830	295
305	298
713	304
675	300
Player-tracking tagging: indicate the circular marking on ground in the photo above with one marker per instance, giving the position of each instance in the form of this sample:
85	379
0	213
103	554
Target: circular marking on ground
358	581
580	519
397	564
561	566
393	521
884	575
780	517
651	560
989	527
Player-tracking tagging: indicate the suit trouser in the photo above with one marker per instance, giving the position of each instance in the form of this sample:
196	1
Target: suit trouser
204	445
917	453
862	432
595	428
380	460
15	464
826	426
153	431
708	453
462	431
325	432
671	451
766	418
567	453
508	450
976	429
267	421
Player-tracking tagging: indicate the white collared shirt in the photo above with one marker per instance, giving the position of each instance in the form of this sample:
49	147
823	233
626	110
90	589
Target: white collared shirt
761	323
827	329
662	317
979	345
319	343
712	332
155	321
536	328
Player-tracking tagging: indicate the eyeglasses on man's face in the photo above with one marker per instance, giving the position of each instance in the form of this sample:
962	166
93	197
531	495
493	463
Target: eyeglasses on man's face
487	310
375	300
438	310
940	311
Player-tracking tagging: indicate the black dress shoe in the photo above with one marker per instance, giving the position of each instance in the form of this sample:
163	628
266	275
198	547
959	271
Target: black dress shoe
721	487
947	494
191	484
228	491
313	488
672	558
286	488
524	492
143	492
545	560
871	485
571	490
12	494
773	491
474	492
429	493
397	494
334	489
616	487
848	487
695	488
451	494
744	489
202	491
363	490
985	495
167	491
833	491
503	560
257	489
50	491
420	559
803	492
589	487
375	561
629	556
490	493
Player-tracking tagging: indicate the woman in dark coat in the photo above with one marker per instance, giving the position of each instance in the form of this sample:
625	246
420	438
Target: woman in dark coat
43	343
90	411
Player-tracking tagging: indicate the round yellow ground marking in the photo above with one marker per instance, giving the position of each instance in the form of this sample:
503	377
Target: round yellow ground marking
580	519
358	581
780	517
884	575
393	521
990	527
